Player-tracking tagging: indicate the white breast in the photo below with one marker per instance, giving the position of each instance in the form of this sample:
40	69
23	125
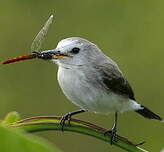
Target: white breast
78	90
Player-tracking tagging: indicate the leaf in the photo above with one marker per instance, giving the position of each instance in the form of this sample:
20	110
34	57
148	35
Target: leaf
13	140
11	117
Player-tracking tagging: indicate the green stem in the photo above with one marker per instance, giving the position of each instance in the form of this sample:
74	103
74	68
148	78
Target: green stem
41	123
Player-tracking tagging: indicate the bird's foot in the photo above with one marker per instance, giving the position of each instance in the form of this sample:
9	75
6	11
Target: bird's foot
112	133
67	116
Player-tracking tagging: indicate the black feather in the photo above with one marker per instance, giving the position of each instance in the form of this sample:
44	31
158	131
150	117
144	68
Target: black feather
148	113
114	81
118	85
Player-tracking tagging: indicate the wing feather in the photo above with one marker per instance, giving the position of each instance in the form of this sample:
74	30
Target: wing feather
114	80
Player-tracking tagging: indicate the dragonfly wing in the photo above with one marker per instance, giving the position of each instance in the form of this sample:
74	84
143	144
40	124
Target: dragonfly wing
37	42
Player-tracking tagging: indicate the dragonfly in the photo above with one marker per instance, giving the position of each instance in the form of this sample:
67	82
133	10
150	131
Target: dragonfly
35	46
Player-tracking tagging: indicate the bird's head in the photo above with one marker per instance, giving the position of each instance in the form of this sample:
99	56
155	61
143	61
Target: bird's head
72	51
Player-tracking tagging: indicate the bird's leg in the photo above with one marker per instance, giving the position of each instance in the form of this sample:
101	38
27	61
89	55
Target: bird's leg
68	116
113	131
114	128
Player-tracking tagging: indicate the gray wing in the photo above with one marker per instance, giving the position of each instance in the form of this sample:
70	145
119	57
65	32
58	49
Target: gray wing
113	79
37	42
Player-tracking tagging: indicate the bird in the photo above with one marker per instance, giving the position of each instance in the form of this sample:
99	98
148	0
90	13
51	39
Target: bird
93	81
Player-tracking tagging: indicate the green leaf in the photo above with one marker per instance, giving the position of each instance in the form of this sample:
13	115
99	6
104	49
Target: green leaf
11	117
14	140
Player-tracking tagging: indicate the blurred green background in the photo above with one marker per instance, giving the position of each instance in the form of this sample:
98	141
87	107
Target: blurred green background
130	32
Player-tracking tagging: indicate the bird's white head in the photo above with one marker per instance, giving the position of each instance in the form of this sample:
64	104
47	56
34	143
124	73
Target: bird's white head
73	51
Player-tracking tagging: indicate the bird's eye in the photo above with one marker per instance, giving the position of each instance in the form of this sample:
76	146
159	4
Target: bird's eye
75	50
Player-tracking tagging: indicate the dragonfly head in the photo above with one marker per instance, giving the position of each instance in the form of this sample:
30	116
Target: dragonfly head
49	54
43	55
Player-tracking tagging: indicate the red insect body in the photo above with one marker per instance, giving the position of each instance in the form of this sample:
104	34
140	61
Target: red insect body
19	58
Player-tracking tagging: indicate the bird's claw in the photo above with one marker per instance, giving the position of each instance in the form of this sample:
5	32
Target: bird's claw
112	133
63	119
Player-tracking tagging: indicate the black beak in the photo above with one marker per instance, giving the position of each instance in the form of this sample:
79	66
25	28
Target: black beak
50	54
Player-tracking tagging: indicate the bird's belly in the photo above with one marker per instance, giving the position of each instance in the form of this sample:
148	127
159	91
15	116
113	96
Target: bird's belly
90	98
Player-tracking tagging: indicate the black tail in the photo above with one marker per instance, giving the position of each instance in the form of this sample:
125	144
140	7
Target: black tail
148	113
